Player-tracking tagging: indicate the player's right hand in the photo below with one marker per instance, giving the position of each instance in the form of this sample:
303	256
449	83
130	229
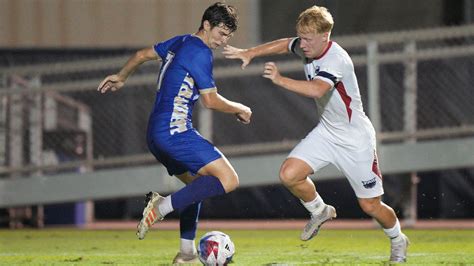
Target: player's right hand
244	115
232	52
112	82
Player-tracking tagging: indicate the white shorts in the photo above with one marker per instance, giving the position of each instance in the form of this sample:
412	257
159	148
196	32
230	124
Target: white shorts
360	166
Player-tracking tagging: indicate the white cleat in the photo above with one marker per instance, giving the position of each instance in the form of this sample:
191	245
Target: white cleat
312	227
182	258
398	250
150	214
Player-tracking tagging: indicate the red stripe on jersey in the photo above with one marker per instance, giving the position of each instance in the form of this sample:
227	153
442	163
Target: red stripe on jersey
345	98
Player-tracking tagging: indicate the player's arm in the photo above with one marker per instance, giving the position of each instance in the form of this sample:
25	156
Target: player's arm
116	81
215	101
246	55
315	88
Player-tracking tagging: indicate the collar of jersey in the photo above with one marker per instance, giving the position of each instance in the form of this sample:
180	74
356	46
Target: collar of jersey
325	51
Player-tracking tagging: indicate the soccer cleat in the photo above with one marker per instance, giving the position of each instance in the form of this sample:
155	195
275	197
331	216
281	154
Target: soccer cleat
150	214
312	227
398	250
182	258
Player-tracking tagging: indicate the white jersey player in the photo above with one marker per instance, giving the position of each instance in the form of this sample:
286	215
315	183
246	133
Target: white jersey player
344	129
344	137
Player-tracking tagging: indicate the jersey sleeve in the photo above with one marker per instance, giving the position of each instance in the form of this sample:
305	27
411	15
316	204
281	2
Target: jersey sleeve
294	47
200	68
162	48
331	71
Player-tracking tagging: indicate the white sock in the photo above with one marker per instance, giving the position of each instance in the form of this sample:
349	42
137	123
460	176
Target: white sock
165	206
187	246
315	206
394	233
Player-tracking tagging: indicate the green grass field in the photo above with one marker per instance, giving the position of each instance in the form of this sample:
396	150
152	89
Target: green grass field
253	247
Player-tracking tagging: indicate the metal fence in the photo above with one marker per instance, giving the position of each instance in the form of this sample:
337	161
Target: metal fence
415	85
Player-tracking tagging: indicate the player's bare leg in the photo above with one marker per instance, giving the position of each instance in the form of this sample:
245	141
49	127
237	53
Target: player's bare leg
374	207
294	175
223	170
187	177
387	218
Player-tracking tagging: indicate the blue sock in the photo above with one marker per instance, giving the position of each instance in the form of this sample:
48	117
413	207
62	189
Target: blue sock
201	188
188	220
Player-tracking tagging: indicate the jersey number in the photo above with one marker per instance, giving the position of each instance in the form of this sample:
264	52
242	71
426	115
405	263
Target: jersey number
166	64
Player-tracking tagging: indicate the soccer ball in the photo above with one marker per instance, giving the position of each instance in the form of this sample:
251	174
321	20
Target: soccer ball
215	248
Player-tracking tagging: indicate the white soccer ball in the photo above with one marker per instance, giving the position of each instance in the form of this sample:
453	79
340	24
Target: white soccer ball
215	248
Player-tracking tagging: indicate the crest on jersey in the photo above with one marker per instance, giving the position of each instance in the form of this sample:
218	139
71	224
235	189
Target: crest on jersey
316	70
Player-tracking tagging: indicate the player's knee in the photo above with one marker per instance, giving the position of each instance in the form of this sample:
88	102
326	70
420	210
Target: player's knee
287	176
369	206
292	174
230	183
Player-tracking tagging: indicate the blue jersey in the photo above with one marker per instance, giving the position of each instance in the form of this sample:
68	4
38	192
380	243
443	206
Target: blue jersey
186	72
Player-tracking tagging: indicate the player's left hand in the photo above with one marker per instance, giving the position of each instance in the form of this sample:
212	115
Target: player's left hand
271	71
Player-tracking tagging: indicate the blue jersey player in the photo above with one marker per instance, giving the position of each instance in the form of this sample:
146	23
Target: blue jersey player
186	75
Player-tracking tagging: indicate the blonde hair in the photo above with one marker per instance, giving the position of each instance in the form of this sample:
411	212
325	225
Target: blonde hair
315	19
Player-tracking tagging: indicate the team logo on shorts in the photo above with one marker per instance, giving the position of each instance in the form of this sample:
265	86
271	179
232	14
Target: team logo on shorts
369	183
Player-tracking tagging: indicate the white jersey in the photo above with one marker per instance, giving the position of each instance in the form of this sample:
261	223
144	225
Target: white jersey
342	117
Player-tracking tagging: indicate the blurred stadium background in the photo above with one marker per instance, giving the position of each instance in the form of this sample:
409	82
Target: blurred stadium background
71	156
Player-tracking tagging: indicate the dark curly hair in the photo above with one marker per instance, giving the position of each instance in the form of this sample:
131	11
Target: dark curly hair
220	13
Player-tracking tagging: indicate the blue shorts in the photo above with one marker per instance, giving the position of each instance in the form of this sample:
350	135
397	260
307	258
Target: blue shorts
182	152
